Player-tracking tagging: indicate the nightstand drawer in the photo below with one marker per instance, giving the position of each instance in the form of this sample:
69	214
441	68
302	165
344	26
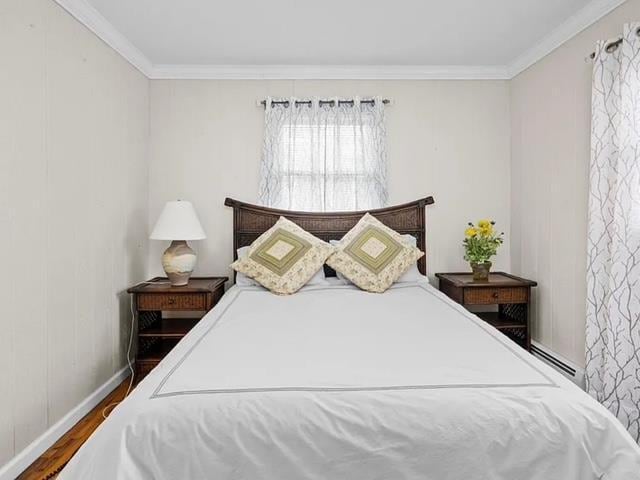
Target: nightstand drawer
490	296
162	301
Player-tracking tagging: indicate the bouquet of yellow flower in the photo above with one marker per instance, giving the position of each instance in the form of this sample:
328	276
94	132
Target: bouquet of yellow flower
480	244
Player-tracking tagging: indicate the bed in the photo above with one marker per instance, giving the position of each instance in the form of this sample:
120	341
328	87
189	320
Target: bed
336	383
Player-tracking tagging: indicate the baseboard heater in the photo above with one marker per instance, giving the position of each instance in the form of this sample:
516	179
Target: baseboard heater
570	371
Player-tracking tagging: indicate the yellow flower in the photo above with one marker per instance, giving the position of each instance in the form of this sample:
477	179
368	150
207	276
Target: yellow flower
487	231
471	232
485	228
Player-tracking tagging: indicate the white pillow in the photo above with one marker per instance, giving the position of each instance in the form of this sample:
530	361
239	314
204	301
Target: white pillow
411	275
244	281
241	278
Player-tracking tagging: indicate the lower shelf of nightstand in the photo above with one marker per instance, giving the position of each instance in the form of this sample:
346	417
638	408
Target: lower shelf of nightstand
499	321
158	350
511	327
153	354
169	328
143	367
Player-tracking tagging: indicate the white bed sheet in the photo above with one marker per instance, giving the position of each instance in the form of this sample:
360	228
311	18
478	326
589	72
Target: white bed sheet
337	383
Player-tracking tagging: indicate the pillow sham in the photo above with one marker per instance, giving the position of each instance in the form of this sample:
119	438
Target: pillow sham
243	281
411	275
284	258
372	255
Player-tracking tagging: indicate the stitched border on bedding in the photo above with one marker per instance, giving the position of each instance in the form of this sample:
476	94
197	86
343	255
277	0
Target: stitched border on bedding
158	394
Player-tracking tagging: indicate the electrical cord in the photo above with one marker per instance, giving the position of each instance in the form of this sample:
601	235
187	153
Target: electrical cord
107	410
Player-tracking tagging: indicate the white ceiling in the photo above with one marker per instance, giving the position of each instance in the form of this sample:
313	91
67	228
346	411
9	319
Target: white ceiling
289	33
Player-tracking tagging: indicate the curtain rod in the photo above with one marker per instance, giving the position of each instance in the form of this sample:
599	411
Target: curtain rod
385	101
611	47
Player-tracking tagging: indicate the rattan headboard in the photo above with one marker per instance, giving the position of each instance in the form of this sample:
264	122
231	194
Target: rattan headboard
251	221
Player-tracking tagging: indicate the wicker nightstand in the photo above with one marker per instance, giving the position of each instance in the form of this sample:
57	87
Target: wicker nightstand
158	334
508	293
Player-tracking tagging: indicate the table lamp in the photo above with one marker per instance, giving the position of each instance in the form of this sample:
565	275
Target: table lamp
178	222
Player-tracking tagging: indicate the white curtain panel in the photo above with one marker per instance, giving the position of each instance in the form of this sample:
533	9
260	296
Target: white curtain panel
613	269
322	156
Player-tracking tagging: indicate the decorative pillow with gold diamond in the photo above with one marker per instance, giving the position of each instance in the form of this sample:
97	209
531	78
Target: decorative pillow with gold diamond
372	255
284	258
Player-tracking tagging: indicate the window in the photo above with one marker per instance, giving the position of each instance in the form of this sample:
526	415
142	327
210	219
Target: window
324	155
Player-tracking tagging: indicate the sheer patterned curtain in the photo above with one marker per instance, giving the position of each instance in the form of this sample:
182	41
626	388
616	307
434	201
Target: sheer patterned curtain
613	269
324	155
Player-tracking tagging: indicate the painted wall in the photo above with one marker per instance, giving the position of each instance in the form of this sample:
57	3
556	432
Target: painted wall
73	214
449	139
86	143
550	124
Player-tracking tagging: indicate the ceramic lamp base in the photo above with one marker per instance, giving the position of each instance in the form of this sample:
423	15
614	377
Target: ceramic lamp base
178	262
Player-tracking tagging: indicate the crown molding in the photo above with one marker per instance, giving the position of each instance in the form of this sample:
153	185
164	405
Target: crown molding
86	14
328	72
587	16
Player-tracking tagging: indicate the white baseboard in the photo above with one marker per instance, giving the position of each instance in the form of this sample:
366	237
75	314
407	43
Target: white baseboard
559	363
30	454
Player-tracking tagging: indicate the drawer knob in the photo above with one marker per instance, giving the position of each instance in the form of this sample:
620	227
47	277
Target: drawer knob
495	295
171	301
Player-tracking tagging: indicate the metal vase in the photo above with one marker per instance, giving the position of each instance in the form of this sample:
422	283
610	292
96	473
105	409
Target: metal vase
480	271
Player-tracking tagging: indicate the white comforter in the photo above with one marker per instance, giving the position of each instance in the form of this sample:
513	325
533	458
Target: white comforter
335	383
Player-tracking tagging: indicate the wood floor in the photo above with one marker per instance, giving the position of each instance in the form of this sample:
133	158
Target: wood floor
51	462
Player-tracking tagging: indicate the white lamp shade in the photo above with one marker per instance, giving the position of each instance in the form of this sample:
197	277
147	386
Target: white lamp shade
178	221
